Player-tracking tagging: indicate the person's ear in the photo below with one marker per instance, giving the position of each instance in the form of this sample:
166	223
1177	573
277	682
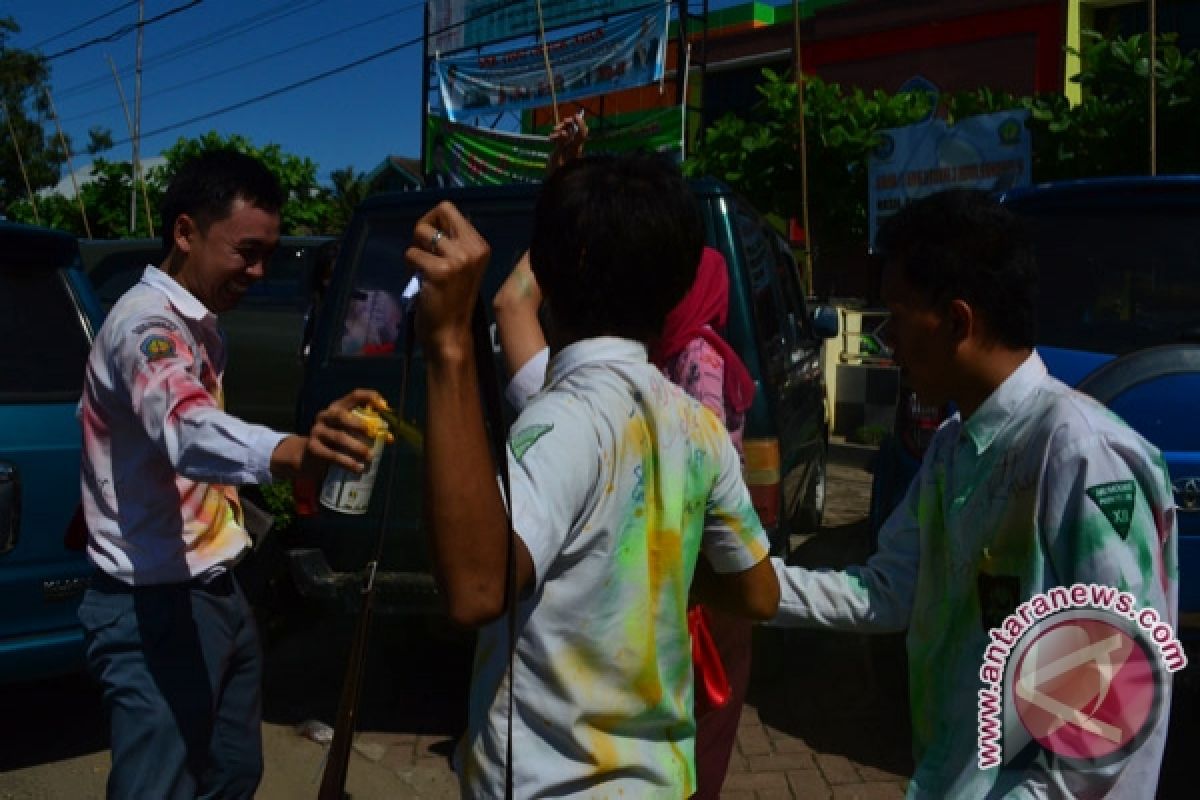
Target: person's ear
961	320
183	233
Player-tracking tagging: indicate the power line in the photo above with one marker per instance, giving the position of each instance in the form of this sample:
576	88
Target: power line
123	30
243	65
230	31
276	92
83	25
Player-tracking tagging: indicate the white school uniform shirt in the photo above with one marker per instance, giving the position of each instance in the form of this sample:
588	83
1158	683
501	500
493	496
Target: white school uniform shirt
160	456
1041	487
619	480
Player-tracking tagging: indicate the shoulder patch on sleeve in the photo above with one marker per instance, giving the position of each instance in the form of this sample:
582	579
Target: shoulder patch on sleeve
157	346
154	323
1115	501
526	438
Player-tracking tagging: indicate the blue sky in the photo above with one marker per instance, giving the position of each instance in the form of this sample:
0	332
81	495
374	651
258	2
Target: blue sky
223	52
354	118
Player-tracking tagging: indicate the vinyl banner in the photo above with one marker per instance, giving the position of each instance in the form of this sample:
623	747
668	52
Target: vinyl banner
460	155
990	152
629	51
458	24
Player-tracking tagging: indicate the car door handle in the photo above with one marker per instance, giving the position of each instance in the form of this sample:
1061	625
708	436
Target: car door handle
10	507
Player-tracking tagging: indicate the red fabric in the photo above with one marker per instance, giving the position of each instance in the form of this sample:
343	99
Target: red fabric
701	313
712	685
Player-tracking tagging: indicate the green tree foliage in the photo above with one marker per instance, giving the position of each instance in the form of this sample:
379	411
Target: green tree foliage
349	189
1106	134
23	79
307	208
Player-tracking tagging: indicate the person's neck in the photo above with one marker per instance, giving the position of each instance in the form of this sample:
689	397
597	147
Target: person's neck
985	371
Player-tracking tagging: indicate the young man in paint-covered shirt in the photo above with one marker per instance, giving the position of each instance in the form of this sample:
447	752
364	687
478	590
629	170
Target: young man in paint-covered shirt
619	482
168	633
1030	489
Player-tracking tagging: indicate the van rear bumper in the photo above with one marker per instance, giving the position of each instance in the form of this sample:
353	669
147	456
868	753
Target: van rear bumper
398	593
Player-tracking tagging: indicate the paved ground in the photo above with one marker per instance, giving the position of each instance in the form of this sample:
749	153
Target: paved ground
826	716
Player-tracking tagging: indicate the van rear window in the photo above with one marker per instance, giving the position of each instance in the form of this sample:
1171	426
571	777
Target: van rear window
43	341
1112	282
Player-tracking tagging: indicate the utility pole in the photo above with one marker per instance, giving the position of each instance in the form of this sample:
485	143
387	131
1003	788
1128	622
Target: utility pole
799	64
137	119
1153	14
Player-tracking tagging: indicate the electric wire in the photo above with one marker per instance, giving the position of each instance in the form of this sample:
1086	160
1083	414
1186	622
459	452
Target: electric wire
124	30
83	25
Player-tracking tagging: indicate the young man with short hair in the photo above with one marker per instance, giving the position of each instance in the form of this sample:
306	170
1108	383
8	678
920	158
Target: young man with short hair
619	481
169	634
1028	487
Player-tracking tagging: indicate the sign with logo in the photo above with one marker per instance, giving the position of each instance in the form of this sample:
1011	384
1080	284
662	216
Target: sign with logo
989	152
1080	672
628	52
458	24
461	155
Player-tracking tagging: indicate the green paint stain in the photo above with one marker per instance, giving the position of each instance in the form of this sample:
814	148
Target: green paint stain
527	438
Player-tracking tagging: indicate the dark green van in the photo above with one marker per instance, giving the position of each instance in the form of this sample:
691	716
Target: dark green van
264	332
786	430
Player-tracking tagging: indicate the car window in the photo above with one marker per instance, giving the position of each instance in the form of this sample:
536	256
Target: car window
371	318
116	274
758	252
789	284
1118	281
43	338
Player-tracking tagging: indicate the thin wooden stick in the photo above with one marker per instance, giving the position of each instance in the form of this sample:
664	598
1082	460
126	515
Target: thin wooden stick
1153	88
62	140
136	166
546	57
21	163
808	237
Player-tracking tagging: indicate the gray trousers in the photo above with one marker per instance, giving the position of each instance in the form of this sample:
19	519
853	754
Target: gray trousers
180	667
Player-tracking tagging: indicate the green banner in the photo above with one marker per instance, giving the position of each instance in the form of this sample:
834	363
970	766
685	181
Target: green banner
461	155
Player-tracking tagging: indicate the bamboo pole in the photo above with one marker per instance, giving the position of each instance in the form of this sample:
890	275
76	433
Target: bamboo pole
136	166
62	140
21	163
1153	13
546	58
137	109
799	67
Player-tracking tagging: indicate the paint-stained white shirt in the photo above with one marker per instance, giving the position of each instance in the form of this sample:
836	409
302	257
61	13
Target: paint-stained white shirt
160	456
1041	487
619	481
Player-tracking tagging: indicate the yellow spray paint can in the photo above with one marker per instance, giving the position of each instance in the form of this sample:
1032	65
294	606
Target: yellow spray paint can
345	492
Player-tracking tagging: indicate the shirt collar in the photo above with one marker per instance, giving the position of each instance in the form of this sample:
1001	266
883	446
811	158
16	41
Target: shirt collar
183	300
990	418
589	351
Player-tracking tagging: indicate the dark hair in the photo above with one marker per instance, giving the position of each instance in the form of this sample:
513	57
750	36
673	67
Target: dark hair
206	186
962	244
616	240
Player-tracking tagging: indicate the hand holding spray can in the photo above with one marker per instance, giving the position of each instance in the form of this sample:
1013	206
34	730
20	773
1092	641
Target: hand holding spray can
345	491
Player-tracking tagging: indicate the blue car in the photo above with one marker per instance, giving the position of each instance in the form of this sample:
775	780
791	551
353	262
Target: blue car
48	317
1119	262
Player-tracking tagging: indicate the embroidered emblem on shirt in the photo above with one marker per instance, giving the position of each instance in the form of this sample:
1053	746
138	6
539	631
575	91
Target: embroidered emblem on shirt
156	347
1115	501
526	438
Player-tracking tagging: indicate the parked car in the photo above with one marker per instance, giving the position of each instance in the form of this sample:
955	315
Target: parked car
1119	263
48	318
770	326
264	332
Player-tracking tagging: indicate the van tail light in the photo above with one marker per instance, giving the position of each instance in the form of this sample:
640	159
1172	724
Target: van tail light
762	478
76	536
916	423
304	495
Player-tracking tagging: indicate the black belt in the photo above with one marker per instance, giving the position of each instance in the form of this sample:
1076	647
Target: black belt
221	584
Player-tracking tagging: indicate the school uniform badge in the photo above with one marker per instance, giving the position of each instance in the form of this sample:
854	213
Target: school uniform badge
1115	501
157	347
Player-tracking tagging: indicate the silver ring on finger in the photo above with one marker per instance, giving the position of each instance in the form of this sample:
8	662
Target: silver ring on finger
433	242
